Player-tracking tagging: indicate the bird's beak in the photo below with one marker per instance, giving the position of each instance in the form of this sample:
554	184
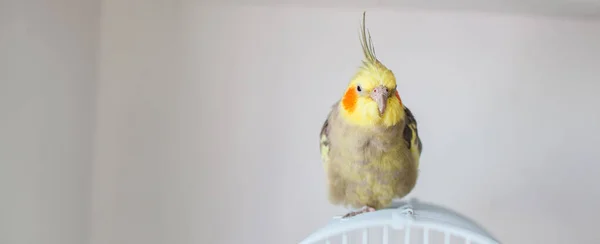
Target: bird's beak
380	95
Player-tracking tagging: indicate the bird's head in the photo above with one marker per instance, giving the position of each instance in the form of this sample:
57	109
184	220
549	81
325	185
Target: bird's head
371	97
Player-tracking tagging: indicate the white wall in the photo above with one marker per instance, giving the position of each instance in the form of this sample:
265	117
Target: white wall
47	95
208	119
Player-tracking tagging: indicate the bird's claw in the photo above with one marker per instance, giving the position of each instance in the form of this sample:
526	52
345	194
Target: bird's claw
354	213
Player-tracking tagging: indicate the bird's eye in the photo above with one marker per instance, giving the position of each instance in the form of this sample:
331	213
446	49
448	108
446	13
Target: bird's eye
358	88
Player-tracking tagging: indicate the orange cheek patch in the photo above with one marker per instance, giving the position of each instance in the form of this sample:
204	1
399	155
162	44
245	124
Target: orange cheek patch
398	96
349	100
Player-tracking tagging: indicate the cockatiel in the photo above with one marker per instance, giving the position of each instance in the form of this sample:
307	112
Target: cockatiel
369	142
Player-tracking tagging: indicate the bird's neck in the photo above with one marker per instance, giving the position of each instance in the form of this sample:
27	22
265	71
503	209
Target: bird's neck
393	115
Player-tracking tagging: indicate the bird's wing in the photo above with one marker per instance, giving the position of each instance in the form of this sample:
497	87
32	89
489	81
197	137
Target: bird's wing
324	140
411	135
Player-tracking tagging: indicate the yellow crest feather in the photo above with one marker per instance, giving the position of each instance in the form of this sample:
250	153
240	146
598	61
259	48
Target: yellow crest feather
367	43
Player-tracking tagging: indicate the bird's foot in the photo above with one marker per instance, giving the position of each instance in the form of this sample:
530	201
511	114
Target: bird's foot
354	213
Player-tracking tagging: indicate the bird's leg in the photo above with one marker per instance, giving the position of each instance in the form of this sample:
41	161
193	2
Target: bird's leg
365	209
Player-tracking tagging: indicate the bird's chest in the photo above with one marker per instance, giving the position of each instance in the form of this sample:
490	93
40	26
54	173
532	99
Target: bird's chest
368	148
